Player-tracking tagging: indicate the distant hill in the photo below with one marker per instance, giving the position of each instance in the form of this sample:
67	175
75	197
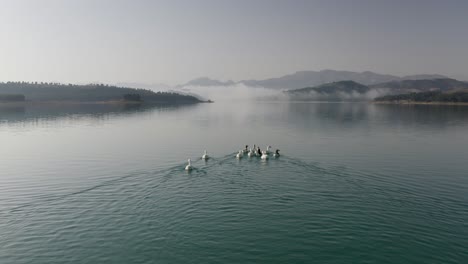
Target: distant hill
334	87
407	86
335	91
350	90
88	93
302	79
314	78
423	77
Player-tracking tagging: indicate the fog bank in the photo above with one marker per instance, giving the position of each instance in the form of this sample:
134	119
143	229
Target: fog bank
236	92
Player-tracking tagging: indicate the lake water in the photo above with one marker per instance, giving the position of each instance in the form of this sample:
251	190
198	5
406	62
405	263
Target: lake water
356	183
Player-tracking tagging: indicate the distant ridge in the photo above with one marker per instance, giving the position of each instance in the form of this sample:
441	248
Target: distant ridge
334	87
303	79
335	91
313	78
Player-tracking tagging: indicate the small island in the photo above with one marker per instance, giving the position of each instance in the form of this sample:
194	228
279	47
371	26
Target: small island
334	91
48	93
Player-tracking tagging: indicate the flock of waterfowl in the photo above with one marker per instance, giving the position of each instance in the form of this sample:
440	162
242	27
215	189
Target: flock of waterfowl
252	152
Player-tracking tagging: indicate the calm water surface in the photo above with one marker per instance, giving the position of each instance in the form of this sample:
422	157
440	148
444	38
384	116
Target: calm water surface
356	183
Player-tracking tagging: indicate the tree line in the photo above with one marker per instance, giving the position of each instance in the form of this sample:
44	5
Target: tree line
44	91
433	96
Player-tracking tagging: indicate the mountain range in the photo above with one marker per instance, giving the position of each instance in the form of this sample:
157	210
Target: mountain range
303	79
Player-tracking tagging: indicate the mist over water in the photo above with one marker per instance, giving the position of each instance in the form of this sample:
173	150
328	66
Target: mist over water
237	92
337	96
241	92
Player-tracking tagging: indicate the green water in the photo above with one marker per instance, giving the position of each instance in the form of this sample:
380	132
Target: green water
356	183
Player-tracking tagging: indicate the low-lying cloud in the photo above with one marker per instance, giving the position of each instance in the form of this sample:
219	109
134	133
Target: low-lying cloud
242	92
236	92
338	96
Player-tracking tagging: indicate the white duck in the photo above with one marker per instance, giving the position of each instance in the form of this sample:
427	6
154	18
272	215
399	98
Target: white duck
251	153
264	155
239	155
276	154
189	166
205	156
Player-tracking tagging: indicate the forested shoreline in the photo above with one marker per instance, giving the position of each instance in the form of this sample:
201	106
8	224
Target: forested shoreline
426	97
57	92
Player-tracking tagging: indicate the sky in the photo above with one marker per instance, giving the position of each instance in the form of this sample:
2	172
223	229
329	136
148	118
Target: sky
172	42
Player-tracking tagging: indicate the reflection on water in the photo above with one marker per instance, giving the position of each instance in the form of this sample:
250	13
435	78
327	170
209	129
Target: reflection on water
434	115
106	183
11	114
297	113
352	113
357	114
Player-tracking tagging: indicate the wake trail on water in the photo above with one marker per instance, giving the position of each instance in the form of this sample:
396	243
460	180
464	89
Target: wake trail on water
167	173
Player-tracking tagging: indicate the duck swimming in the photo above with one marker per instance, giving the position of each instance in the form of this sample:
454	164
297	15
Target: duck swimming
189	166
264	155
251	153
246	149
259	152
276	154
239	155
205	156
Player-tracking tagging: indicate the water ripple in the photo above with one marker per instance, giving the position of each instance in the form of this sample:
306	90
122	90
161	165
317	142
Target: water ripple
246	210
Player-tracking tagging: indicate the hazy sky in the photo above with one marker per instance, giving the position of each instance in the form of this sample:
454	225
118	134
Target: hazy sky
175	41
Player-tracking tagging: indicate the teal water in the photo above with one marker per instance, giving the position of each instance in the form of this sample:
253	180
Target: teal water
357	183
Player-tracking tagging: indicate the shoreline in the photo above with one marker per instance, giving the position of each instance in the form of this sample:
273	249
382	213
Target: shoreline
114	102
419	103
